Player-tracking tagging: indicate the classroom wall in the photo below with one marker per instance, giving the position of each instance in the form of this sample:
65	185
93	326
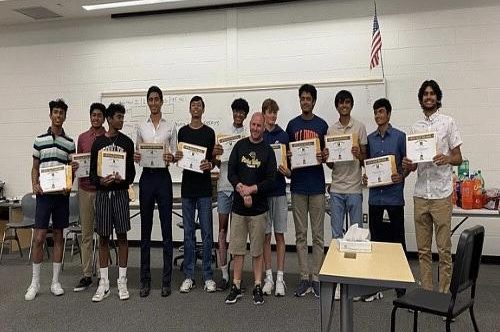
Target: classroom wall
454	42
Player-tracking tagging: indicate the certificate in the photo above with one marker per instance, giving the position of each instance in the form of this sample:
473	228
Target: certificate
152	155
227	142
340	146
421	147
379	170
280	154
83	160
192	155
56	178
111	163
304	153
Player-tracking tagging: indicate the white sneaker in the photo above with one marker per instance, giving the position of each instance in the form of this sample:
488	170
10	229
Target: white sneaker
337	292
31	292
122	288
371	298
268	286
280	288
210	286
186	286
102	291
56	289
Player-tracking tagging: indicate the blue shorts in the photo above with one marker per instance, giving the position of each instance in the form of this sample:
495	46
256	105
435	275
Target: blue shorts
224	201
52	207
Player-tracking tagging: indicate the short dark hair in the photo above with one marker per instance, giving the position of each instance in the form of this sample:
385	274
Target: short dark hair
197	98
382	102
156	89
240	104
435	87
270	104
341	96
58	103
98	106
310	89
113	109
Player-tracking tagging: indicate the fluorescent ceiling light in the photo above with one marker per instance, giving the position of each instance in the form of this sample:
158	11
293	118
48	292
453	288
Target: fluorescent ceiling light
126	4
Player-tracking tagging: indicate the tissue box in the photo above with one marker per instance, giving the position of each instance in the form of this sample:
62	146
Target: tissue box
355	246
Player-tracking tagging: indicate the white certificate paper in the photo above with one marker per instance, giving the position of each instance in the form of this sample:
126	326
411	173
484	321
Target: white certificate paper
152	155
304	153
339	147
280	154
227	142
83	160
379	170
55	178
421	147
192	155
111	163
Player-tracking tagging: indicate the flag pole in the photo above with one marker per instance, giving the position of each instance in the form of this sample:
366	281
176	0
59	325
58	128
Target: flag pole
381	58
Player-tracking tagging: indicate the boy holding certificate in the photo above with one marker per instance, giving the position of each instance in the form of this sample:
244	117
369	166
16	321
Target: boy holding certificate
240	109
196	192
52	148
87	192
308	191
155	186
384	141
277	214
432	197
112	201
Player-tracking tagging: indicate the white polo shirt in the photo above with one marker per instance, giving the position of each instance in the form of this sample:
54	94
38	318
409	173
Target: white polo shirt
435	182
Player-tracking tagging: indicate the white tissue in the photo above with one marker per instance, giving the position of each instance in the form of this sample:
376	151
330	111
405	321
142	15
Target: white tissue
356	234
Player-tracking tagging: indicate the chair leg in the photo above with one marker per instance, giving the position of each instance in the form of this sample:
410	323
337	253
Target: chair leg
47	249
415	321
31	244
473	318
448	328
393	319
18	242
79	249
3	242
64	250
94	258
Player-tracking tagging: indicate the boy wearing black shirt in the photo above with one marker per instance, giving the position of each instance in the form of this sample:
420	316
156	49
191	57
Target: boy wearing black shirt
112	201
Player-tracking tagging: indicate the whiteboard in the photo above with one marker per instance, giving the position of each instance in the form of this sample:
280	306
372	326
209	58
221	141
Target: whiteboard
218	101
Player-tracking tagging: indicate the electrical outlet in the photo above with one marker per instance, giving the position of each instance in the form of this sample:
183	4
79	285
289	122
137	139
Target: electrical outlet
365	218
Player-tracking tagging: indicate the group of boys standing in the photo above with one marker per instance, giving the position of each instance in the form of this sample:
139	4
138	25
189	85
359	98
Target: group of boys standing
251	191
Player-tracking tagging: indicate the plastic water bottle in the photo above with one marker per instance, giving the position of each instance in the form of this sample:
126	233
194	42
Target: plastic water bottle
463	169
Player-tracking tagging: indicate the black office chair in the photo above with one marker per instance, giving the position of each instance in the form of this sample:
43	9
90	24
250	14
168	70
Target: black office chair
465	272
198	251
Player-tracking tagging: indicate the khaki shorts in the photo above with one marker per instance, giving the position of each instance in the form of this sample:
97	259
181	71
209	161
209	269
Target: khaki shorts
253	226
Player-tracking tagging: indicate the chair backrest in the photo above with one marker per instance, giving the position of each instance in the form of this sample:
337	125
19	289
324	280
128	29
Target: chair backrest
467	259
74	208
28	206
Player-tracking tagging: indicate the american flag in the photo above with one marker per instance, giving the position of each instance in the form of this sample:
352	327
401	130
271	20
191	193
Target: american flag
376	43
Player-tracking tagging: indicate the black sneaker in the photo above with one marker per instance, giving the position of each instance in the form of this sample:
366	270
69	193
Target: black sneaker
83	284
315	288
223	285
303	288
234	295
258	295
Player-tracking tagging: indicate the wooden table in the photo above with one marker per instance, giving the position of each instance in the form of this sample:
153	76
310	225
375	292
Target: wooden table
385	267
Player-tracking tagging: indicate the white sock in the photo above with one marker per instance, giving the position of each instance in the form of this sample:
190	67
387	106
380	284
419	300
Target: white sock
104	273
36	273
279	276
122	272
56	268
225	272
269	274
